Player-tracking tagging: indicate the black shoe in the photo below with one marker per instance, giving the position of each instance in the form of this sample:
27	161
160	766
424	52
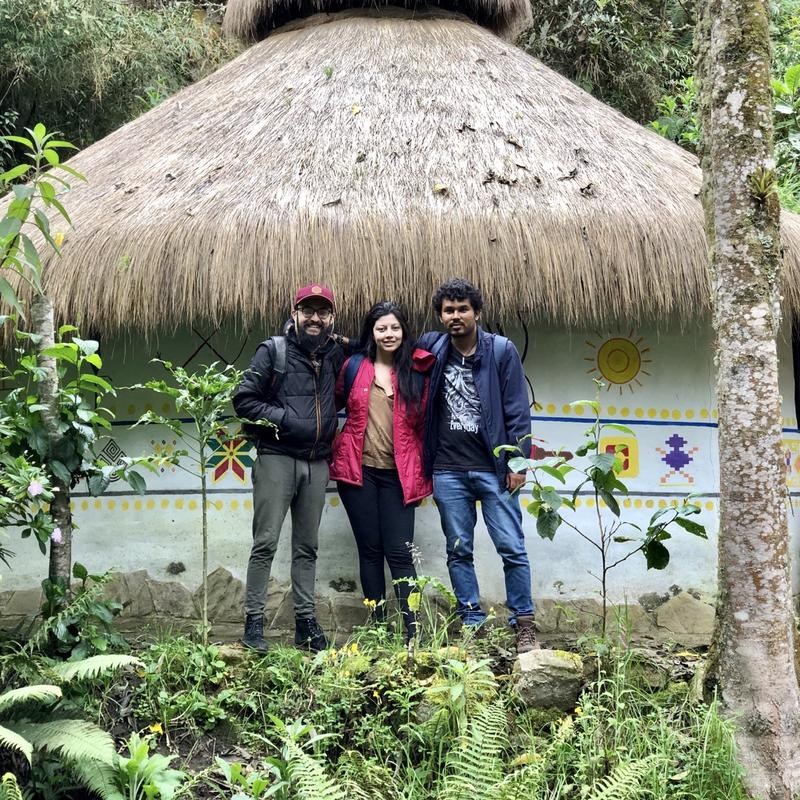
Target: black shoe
254	633
309	635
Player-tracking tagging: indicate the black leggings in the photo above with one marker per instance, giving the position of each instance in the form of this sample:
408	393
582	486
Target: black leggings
383	528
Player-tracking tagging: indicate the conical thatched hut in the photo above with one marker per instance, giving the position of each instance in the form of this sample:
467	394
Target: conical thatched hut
382	150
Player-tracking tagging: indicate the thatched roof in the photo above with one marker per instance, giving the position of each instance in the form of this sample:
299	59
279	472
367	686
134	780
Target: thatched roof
252	20
382	154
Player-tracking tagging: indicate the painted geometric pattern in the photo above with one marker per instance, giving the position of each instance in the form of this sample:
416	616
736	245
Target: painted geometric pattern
230	455
677	458
627	448
113	455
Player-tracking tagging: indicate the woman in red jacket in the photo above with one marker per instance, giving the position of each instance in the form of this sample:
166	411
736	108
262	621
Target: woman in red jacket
377	457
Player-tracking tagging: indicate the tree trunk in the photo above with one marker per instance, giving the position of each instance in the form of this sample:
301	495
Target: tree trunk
47	391
752	658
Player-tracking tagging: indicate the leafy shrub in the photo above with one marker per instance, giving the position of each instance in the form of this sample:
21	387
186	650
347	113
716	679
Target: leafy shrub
109	60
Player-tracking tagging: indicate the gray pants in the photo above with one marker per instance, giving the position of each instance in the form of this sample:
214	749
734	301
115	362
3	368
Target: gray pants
280	483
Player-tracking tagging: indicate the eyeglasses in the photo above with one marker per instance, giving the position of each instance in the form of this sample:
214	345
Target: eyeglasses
309	311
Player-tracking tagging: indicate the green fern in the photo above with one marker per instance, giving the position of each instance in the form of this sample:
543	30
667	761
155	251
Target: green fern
522	784
309	778
9	788
38	693
74	739
78	607
93	666
13	741
625	782
474	766
98	777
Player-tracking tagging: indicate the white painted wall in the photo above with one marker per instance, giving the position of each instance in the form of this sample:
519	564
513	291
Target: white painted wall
670	395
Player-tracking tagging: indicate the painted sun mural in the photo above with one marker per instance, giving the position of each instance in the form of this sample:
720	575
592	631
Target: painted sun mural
619	360
230	455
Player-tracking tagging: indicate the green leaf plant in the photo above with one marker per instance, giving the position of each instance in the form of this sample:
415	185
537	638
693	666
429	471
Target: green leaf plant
597	474
33	719
34	467
205	397
33	204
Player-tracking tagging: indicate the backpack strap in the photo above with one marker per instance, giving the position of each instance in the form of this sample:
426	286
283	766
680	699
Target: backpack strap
277	344
350	372
499	345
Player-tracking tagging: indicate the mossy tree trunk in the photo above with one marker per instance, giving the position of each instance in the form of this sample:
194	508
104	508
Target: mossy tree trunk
42	324
752	661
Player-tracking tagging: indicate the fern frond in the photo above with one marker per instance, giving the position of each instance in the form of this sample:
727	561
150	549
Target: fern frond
78	607
14	741
96	776
310	780
522	784
625	782
474	766
93	666
26	694
75	739
9	788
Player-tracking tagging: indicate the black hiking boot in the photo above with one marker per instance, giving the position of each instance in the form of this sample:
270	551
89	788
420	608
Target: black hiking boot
309	635
254	633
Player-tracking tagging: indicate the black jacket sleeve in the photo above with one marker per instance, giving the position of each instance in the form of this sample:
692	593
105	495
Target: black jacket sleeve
253	399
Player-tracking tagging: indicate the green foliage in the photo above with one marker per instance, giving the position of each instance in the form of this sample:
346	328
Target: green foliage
9	788
145	775
475	764
598	475
249	784
82	619
182	684
45	181
205	397
105	59
28	721
626	52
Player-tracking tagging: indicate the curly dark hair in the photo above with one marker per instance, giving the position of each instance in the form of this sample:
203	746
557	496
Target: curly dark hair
458	289
408	388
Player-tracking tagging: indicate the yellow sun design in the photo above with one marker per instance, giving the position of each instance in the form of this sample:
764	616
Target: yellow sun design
619	360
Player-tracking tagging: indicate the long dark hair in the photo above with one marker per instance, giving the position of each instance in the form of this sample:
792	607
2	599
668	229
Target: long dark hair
410	390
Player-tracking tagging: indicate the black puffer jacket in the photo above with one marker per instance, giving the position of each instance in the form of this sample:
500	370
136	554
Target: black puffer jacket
304	406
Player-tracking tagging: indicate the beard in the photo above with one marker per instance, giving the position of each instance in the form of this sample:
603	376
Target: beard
312	341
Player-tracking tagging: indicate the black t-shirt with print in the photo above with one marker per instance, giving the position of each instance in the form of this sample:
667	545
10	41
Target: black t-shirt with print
460	445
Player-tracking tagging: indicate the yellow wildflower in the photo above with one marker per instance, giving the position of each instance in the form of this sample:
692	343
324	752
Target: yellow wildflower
578	711
354	648
155	728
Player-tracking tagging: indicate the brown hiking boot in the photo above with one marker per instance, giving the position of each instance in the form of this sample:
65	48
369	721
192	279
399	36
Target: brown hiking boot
526	634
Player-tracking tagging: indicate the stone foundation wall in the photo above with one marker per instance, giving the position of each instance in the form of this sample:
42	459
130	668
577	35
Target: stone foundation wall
151	605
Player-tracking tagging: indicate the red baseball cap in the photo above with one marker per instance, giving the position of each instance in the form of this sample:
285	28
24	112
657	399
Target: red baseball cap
314	290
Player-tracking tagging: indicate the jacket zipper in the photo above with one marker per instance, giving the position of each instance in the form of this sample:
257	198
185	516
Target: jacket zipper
317	408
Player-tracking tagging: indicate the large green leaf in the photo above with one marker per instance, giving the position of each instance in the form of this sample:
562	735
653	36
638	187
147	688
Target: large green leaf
656	554
693	527
547	524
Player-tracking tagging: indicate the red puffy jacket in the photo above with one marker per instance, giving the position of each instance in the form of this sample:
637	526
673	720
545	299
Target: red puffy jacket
408	430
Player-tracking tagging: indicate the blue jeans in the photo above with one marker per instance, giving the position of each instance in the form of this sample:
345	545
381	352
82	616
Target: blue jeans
455	494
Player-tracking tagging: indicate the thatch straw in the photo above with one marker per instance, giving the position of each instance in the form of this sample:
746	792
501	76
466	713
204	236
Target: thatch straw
252	20
383	154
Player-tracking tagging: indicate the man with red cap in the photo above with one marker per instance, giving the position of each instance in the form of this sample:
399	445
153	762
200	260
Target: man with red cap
290	383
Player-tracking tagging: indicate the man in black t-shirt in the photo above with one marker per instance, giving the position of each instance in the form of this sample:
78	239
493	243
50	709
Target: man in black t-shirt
478	400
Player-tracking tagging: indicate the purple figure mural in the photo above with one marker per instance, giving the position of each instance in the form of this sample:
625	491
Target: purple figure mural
677	459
